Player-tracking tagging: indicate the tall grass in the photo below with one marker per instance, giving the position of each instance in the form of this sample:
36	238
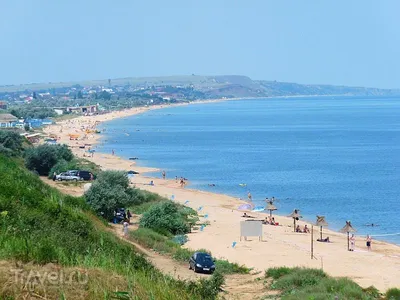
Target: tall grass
302	283
38	224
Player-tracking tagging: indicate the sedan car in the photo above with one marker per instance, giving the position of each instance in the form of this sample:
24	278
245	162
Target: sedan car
202	262
67	177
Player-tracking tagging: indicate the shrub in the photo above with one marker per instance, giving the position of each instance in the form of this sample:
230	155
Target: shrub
227	267
42	158
11	143
166	216
209	288
393	294
276	273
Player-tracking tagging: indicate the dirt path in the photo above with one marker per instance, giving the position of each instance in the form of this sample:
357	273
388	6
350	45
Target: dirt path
161	262
237	286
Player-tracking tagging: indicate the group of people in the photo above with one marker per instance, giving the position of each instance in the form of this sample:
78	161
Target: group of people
304	230
270	221
352	241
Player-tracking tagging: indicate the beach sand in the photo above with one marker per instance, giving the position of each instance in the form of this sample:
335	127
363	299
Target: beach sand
280	246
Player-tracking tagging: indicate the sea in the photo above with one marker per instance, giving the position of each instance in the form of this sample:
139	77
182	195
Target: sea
338	157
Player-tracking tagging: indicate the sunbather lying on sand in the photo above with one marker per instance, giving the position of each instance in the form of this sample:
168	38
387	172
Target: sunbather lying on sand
325	240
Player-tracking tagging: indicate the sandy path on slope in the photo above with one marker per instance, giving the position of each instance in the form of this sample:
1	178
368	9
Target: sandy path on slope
280	245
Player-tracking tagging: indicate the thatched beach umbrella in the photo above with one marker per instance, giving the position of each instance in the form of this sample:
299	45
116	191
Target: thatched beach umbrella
321	222
270	207
296	216
348	228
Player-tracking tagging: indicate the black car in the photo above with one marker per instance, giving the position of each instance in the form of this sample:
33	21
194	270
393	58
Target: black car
202	262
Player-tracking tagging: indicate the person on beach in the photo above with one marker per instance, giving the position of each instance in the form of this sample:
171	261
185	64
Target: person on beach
125	228
182	183
163	174
112	152
176	178
306	230
298	228
352	242
273	221
369	241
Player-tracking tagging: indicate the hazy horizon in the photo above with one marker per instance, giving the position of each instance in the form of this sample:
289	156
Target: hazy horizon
342	43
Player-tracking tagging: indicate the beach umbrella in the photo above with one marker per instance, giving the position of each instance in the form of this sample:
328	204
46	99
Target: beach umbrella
321	222
270	206
348	228
296	216
246	206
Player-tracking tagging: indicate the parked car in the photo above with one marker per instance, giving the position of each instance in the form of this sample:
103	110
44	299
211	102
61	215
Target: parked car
84	175
67	177
202	262
119	215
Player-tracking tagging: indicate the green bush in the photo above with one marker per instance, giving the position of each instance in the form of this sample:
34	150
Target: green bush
302	283
167	216
227	267
209	288
109	192
42	158
11	143
276	273
393	294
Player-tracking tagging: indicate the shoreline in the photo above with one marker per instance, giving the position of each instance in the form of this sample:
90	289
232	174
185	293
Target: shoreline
288	248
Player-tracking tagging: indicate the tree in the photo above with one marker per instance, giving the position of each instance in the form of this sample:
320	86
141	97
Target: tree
79	95
11	143
168	217
42	158
109	192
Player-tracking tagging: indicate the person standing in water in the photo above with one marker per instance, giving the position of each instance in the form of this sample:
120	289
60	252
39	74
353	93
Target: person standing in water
369	241
163	174
249	196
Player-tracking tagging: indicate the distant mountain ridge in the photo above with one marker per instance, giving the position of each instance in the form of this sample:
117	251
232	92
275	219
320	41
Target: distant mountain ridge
214	86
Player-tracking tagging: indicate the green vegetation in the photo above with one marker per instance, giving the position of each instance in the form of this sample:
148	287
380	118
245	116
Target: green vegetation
11	143
74	164
393	294
302	283
169	217
42	158
27	111
165	245
39	224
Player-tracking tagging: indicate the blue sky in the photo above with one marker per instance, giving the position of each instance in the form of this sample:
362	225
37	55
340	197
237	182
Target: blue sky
336	42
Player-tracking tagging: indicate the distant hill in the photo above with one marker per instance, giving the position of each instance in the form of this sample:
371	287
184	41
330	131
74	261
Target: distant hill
212	86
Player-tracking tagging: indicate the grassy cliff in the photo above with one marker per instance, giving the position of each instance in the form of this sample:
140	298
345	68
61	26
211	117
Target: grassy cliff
41	227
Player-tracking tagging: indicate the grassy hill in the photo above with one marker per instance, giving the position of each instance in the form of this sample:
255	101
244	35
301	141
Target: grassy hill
213	86
45	231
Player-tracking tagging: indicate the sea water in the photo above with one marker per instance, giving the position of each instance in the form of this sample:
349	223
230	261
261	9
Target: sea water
333	156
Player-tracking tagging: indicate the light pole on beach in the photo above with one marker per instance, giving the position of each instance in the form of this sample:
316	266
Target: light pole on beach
296	216
348	228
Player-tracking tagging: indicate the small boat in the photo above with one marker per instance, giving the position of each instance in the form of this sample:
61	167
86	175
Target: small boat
133	158
242	184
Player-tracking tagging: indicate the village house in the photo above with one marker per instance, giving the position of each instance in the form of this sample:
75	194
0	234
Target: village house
8	121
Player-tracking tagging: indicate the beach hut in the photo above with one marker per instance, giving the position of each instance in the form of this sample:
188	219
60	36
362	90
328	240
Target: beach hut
296	216
348	228
270	206
321	222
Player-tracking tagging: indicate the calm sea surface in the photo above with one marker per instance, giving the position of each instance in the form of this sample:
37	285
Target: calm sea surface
331	156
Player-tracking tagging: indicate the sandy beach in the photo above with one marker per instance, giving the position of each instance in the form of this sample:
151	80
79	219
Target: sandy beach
280	245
